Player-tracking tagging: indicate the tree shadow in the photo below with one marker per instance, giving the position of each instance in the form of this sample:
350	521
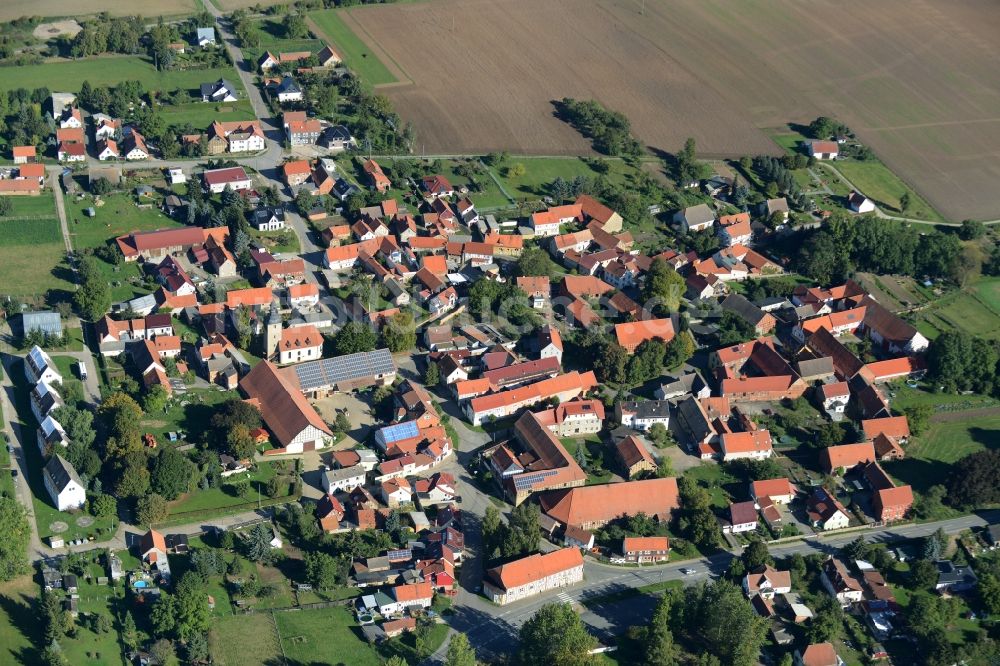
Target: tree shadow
21	617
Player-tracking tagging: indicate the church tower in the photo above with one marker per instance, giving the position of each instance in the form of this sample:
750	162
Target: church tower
272	332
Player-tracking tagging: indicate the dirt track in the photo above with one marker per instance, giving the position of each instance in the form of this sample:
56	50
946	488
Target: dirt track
918	80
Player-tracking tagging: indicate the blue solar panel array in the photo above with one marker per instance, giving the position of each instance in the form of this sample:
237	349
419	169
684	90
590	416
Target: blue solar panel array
400	431
328	372
527	481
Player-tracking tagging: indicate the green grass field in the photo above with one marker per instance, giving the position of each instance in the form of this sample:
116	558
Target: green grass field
119	215
200	115
325	636
43	205
245	640
943	443
355	53
975	309
67	76
32	255
883	186
541	171
19	626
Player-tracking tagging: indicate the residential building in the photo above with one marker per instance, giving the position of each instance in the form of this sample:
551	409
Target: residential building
754	445
954	578
735	229
574	418
845	456
823	150
343	479
302	131
404	597
840	583
508	402
646	549
591	507
643	414
632	334
63	484
818	654
533	575
217	180
336	139
205	37
695	218
23	154
38	367
268	218
219	91
379	181
826	512
835	397
767	582
288	415
547	222
635	457
742	518
691	383
762	322
779	491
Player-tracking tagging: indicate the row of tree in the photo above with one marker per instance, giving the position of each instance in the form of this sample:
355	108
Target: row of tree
610	131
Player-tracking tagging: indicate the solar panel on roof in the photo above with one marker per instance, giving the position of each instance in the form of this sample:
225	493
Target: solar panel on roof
330	371
400	431
526	481
403	554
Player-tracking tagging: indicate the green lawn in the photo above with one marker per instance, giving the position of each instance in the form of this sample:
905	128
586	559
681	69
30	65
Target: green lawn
541	171
217	500
324	636
355	53
245	640
32	255
277	241
929	454
975	309
68	75
117	216
903	396
19	626
201	114
45	513
43	205
87	647
880	184
712	477
272	39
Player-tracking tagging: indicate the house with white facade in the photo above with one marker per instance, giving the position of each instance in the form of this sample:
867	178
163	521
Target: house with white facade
343	479
63	484
643	414
533	575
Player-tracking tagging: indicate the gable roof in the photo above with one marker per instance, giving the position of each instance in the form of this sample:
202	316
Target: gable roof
632	452
633	333
602	503
535	567
891	426
61	473
846	455
284	408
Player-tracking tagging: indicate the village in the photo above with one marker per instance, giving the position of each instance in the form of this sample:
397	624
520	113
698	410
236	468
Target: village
296	374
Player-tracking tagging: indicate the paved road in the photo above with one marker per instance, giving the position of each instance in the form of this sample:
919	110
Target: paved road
493	629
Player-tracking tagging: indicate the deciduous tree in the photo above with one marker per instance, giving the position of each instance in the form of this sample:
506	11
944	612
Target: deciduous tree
555	636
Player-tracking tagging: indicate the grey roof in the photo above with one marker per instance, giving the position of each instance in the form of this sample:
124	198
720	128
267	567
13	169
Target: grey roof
691	382
699	214
287	85
46	322
332	371
265	213
648	409
692	417
815	367
747	311
60	472
950	574
206	33
343	473
993	533
336	133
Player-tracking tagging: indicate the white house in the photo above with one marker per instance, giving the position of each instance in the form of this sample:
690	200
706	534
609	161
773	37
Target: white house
44	399
300	343
286	90
38	367
824	150
643	414
105	127
343	479
402	597
742	518
216	180
533	575
176	176
107	149
50	434
859	203
63	483
695	218
219	91
267	218
835	398
205	37
396	492
840	583
767	582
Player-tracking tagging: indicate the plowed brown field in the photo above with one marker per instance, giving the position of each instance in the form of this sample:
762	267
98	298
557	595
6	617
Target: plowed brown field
919	80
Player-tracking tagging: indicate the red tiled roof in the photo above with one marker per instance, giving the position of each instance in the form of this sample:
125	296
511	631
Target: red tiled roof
846	455
602	503
535	567
284	408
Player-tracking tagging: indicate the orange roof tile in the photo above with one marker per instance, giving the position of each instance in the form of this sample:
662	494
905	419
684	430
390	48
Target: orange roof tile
535	567
599	504
746	442
846	455
892	426
633	544
632	334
